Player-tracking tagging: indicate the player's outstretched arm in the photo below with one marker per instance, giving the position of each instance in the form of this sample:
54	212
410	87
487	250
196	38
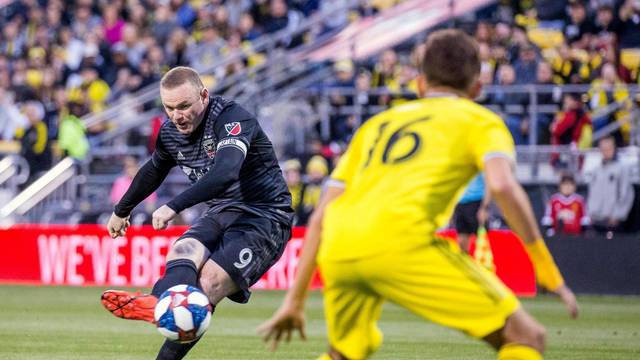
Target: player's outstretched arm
515	206
290	315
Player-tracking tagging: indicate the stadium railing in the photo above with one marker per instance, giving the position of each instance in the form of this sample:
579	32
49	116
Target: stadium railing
14	171
59	185
531	108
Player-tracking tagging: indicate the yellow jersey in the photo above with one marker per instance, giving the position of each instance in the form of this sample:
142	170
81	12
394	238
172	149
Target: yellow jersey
403	172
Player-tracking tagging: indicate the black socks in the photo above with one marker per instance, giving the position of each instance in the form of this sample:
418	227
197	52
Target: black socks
179	271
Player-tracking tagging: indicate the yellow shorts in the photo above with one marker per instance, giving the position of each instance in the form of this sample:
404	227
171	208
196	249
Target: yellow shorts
436	282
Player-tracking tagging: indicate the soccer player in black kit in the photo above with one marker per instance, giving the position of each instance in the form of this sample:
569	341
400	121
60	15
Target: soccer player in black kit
233	168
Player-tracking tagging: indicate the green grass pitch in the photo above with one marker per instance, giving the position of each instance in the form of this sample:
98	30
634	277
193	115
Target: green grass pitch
69	323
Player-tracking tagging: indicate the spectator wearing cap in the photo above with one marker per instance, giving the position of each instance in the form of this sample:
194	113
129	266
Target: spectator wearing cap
566	212
579	27
316	171
611	191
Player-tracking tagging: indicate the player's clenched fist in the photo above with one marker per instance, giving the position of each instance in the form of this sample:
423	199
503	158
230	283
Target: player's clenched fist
117	226
162	216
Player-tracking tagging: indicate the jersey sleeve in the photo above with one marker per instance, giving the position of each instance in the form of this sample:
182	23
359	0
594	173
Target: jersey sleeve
490	138
161	158
235	128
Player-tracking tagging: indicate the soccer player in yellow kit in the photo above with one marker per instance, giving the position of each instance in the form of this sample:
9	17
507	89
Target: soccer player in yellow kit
373	235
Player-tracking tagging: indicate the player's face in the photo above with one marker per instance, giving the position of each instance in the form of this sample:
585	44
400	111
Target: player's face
185	106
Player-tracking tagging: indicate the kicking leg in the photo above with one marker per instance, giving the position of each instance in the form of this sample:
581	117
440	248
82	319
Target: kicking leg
183	261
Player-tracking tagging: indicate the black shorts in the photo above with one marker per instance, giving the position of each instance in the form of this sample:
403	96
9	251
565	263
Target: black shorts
245	245
465	217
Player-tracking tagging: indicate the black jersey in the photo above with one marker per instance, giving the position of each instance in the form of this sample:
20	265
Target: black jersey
258	186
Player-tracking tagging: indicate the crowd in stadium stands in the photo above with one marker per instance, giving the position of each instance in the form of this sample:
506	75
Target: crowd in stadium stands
591	43
62	60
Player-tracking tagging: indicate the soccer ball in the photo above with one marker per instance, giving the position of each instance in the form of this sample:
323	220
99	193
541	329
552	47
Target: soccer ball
183	313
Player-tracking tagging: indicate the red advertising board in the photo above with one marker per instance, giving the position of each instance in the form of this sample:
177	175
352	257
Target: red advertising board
87	255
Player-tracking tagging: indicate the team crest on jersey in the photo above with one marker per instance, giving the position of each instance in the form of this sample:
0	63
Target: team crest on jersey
209	147
233	128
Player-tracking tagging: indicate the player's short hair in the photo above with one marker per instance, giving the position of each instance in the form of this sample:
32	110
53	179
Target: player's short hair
180	75
451	59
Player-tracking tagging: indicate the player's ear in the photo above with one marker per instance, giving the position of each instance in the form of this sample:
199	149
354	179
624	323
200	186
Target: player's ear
475	89
204	94
422	85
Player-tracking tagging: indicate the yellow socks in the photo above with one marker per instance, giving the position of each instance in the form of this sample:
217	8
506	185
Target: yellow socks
517	352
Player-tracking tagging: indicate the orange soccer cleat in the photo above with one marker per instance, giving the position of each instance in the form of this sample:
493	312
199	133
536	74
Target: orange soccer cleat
130	305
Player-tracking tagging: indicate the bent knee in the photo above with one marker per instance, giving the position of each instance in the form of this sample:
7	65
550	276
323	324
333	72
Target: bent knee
187	248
